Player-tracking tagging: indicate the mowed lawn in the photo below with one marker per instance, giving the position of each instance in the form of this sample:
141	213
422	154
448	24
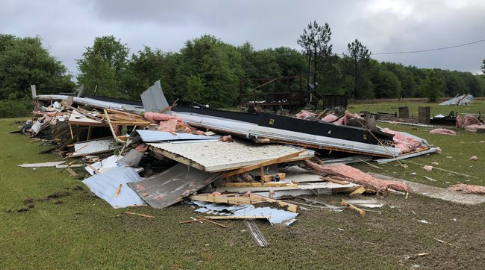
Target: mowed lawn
75	230
456	150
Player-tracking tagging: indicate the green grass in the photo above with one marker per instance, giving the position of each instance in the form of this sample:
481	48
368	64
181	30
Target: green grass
457	150
393	107
80	231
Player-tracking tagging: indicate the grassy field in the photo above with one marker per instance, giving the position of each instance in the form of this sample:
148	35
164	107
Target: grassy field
457	150
72	229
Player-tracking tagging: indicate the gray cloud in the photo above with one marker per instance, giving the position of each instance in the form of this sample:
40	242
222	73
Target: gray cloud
68	27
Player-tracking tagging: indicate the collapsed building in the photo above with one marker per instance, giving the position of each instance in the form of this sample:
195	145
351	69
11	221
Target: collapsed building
160	154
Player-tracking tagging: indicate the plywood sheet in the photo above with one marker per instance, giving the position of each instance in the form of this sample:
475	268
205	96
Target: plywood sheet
216	156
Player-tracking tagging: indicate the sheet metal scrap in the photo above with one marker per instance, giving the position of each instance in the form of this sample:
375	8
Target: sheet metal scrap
172	185
107	185
256	233
275	216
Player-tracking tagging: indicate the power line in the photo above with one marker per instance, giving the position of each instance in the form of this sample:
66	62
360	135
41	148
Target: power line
431	50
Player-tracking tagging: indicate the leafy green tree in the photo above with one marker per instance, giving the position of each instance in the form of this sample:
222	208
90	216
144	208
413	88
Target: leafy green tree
206	67
386	84
483	66
102	67
358	66
433	87
314	41
23	62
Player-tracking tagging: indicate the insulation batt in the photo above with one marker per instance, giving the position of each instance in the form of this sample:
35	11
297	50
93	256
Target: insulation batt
468	189
474	128
330	118
402	142
442	131
469	123
154	117
168	126
304	114
347	116
358	177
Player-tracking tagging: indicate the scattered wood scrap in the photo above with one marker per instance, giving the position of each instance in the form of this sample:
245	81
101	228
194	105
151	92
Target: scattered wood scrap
262	164
353	207
244	199
137	214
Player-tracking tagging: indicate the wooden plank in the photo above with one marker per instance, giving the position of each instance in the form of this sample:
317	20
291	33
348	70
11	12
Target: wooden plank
259	184
353	207
71	171
333	180
118	190
137	214
357	192
262	164
289	206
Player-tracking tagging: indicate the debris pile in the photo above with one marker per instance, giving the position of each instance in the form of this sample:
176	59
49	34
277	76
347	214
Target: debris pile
469	123
225	163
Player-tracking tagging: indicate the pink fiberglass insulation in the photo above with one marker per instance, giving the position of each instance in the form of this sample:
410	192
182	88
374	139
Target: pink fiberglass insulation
442	131
402	142
304	114
469	122
154	117
468	189
168	126
345	119
330	118
474	128
358	177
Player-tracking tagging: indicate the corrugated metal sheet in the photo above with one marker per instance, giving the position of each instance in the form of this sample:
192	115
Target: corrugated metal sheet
169	187
153	98
105	186
95	103
250	130
222	156
277	216
459	100
158	136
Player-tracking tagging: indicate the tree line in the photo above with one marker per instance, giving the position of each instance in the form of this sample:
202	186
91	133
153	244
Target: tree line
211	71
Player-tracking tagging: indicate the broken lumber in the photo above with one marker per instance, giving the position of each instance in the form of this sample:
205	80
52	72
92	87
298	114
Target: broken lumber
353	207
137	214
262	164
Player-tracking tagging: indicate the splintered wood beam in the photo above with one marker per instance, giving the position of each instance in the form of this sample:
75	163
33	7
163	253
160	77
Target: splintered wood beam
118	190
109	123
353	207
357	192
262	164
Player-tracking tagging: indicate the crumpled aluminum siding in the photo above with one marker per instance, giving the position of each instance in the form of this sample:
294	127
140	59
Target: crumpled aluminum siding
105	185
153	98
158	136
95	103
459	100
250	130
169	187
277	216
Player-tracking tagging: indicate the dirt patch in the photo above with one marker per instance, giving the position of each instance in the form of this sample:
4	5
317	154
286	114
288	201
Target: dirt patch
30	202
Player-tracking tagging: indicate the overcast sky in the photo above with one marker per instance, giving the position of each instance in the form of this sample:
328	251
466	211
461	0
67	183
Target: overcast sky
68	27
